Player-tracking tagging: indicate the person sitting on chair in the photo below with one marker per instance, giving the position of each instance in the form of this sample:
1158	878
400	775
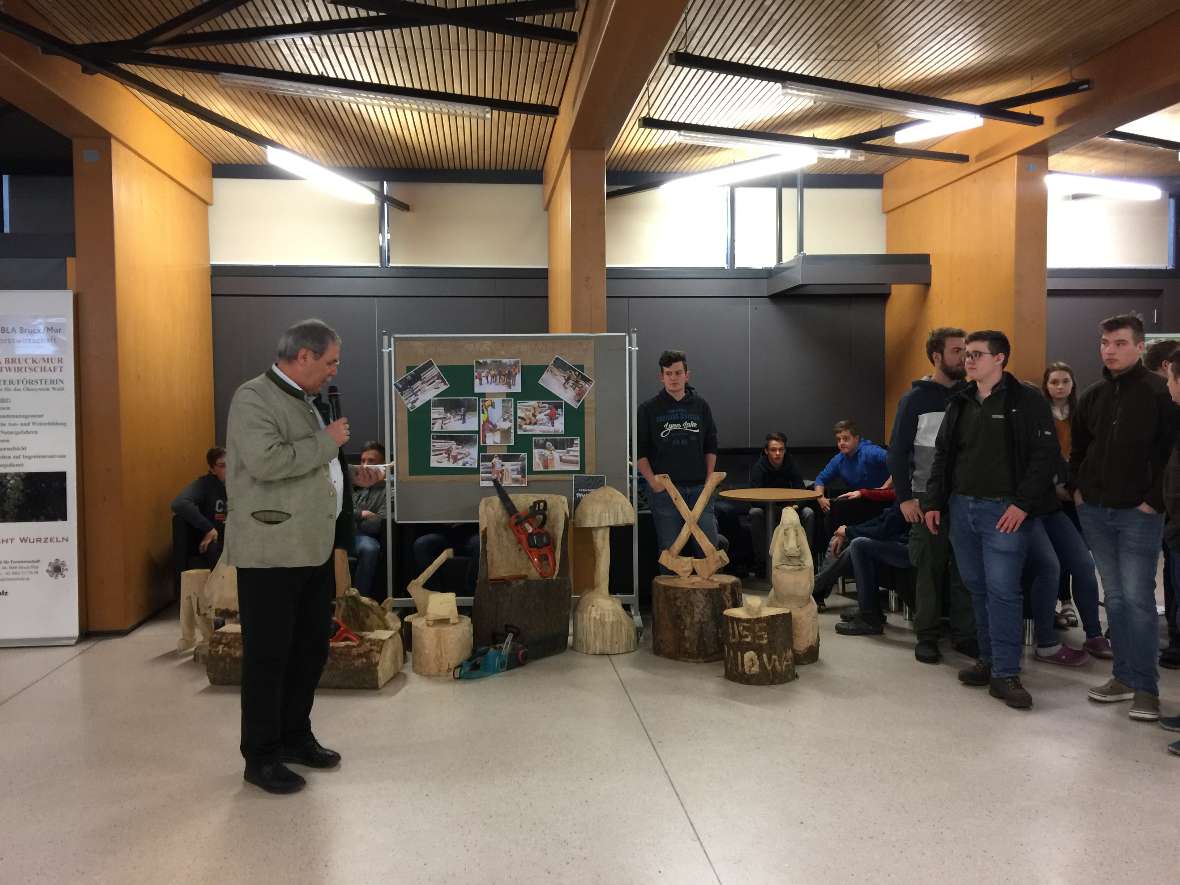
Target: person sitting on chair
369	511
202	505
776	469
888	545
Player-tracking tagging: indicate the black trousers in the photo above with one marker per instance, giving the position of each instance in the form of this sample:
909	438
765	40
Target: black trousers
286	616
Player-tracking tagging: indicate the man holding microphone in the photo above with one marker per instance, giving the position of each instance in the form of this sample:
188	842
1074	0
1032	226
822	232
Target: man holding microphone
286	486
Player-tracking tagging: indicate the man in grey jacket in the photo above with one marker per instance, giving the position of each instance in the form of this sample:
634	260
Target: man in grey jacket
287	490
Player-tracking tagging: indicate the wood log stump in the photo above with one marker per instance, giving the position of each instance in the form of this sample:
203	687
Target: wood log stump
440	646
540	607
367	665
687	615
758	645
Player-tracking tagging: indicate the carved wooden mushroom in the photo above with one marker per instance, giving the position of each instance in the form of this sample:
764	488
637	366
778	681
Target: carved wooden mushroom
601	626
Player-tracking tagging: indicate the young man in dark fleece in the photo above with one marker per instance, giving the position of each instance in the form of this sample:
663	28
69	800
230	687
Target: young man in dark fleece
676	435
201	504
776	469
910	456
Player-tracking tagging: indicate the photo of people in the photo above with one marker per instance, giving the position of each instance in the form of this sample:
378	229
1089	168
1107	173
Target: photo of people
453	450
33	497
568	382
454	413
497	376
540	416
557	453
508	468
422	383
496	422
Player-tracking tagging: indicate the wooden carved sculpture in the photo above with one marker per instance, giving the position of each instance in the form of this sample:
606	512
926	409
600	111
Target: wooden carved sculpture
792	580
431	605
441	638
758	644
601	626
196	614
715	559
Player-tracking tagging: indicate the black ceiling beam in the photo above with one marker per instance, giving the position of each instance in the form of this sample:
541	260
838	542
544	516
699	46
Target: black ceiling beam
809	141
1073	87
479	19
1145	140
186	21
772	75
151	59
882	132
55	46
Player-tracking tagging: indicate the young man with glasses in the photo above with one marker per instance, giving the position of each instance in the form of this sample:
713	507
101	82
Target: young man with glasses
1121	436
201	504
993	470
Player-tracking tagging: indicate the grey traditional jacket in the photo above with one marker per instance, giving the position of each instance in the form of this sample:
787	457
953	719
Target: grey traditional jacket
281	501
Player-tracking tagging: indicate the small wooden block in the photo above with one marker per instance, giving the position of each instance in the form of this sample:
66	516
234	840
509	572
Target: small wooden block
439	647
758	646
441	607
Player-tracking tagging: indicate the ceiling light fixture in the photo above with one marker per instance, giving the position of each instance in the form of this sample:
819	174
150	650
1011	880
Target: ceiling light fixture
796	157
355	96
738	142
1063	184
937	128
324	179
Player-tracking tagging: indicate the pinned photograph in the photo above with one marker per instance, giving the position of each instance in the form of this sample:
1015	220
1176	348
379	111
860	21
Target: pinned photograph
540	416
557	453
453	450
33	496
568	382
507	467
496	422
454	413
421	384
497	376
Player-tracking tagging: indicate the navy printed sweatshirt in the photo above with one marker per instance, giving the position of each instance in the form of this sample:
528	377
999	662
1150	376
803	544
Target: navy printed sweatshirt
676	436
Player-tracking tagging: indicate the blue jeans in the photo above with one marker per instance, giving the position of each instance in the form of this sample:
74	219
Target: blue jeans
1126	546
1042	577
368	551
1074	558
866	554
990	563
667	519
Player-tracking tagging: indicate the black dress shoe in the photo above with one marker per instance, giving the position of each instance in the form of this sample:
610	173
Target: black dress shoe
860	626
312	755
1170	658
927	651
274	777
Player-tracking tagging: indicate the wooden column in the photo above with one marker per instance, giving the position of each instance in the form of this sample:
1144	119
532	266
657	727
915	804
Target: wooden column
577	244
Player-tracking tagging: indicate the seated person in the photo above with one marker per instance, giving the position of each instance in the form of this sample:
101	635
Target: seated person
776	469
369	512
202	506
888	544
839	564
859	464
463	538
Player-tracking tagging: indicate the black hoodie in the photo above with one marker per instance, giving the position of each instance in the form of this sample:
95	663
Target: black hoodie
676	436
763	475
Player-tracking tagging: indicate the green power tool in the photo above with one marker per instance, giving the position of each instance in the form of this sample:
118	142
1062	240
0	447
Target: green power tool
489	660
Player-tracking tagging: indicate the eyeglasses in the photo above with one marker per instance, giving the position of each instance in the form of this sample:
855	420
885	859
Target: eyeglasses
976	354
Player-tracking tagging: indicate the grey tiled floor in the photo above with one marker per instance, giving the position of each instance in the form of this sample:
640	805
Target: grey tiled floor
118	763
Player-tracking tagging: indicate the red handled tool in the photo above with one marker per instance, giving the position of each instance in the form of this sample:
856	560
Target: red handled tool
529	530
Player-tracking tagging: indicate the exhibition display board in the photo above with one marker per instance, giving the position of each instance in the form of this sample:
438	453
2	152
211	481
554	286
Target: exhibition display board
38	470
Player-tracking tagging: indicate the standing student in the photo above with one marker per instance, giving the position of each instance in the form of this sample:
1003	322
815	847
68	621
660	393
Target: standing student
1121	439
675	435
1172	527
993	466
910	457
1158	358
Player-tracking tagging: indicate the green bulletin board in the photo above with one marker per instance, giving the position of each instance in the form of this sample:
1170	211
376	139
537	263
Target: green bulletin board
461	378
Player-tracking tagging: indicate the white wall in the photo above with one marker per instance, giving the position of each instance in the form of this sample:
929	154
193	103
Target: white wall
1101	232
280	221
667	228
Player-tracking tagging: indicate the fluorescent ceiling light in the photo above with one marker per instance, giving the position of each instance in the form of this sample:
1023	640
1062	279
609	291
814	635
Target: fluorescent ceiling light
796	158
1062	184
355	96
741	142
324	179
937	128
869	102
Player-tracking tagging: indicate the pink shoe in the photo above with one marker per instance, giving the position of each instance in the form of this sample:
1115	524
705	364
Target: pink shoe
1066	656
1099	647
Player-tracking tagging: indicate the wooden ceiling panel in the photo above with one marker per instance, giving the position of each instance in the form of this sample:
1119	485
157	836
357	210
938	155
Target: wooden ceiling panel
1116	159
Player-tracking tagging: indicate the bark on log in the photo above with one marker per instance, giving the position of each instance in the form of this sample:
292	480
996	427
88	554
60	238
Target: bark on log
539	607
439	647
369	665
758	647
687	615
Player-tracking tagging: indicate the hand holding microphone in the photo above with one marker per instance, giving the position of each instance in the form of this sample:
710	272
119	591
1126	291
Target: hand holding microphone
338	429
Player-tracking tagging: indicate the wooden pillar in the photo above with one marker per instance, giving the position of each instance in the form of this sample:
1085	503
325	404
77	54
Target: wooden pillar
986	236
577	244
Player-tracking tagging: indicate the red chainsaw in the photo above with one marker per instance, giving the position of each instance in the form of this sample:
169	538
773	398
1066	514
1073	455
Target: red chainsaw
529	531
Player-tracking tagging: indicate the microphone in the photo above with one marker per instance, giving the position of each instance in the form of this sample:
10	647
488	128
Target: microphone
334	413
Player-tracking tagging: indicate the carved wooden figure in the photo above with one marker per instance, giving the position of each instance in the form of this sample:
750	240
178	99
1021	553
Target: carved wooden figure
714	560
792	580
433	606
196	613
601	626
758	644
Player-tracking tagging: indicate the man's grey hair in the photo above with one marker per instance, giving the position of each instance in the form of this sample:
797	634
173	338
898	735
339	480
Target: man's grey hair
314	335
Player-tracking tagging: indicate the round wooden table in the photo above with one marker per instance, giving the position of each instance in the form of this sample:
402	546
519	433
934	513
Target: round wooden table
768	498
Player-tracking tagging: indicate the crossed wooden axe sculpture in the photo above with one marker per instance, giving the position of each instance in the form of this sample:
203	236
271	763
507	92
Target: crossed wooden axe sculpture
715	559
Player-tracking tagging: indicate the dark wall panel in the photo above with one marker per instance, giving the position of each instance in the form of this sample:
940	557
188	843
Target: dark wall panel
42	204
525	316
32	273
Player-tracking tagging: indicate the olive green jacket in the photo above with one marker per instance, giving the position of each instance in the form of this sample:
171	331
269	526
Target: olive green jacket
280	499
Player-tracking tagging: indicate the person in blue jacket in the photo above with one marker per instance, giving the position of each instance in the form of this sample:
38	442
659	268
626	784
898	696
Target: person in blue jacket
860	464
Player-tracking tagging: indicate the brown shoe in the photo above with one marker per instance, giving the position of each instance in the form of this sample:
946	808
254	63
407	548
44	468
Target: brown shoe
1010	690
1145	707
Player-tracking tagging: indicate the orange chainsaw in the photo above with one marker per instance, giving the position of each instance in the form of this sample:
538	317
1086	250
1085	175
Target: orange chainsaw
529	531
